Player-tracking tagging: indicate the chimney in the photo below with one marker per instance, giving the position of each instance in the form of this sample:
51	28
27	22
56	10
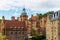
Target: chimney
12	18
3	18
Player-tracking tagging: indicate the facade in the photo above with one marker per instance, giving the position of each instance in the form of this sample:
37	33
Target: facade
42	25
15	29
52	26
38	24
20	28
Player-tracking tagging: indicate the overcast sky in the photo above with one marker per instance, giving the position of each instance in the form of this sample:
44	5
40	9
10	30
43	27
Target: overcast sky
10	8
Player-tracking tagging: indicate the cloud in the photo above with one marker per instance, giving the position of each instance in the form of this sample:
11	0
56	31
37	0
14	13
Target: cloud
32	4
15	14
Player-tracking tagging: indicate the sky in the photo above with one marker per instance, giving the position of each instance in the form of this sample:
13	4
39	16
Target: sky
10	8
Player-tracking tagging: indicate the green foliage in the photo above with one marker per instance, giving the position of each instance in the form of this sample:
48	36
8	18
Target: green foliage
45	14
33	32
50	12
40	16
39	37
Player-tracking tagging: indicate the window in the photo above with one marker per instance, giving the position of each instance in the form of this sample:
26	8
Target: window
23	32
3	31
19	27
55	38
51	39
19	32
11	32
57	13
15	32
54	15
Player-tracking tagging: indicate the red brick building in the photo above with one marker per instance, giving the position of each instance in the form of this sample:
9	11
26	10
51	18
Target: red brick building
18	29
15	29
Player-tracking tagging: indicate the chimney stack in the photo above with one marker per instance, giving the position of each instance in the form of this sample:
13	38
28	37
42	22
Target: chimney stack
3	18
12	18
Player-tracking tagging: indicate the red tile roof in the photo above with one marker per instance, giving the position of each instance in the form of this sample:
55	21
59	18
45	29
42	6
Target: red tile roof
13	23
34	18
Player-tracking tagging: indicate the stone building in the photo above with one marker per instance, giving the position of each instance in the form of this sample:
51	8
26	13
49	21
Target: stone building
15	29
53	26
42	25
35	23
38	24
20	28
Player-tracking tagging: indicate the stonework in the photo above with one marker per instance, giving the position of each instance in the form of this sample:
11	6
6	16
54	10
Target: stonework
52	26
18	29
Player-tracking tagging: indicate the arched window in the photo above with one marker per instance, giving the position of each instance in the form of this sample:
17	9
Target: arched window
15	32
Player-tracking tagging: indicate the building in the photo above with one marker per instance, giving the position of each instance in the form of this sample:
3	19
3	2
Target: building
38	24
20	28
35	24
42	25
15	29
52	26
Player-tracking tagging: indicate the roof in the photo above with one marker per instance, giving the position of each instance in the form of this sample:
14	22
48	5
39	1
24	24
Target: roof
23	12
14	24
34	18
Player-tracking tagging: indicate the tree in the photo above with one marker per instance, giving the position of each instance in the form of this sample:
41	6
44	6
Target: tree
33	32
45	14
40	16
39	37
50	12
